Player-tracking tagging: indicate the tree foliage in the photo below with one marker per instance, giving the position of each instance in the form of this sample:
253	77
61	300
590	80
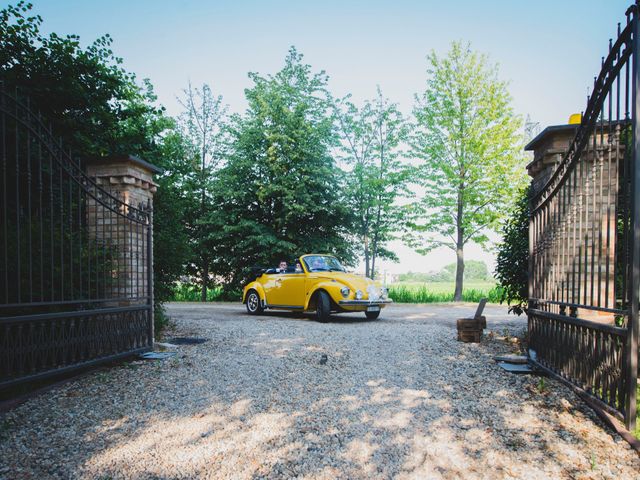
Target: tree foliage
512	264
371	136
265	185
475	270
172	243
278	196
203	126
98	108
94	103
467	139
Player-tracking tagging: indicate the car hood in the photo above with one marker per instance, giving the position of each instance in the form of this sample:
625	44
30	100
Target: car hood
354	282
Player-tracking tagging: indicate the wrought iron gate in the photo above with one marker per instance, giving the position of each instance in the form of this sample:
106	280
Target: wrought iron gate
585	240
75	260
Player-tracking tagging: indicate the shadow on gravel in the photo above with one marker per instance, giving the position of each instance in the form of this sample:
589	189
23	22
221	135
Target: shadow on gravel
334	318
258	404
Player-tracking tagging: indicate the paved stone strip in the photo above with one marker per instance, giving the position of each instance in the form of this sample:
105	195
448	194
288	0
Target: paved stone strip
280	396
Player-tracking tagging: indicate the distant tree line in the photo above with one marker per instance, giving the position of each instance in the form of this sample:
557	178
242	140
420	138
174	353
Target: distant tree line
300	171
474	270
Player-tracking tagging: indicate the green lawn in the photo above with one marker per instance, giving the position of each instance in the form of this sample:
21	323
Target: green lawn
401	292
185	292
420	292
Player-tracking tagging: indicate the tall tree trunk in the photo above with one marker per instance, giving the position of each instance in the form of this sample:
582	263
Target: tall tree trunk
376	226
374	251
373	264
205	259
457	295
205	279
366	256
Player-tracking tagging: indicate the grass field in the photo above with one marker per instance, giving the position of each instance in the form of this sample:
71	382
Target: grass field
184	292
401	292
418	292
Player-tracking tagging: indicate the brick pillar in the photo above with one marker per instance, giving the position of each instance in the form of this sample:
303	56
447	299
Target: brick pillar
593	206
130	180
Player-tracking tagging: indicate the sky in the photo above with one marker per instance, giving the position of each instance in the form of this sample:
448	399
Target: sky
548	51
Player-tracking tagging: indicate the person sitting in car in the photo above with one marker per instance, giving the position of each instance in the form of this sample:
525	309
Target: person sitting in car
282	267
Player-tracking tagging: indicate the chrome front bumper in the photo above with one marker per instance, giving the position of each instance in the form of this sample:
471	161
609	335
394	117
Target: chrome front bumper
364	302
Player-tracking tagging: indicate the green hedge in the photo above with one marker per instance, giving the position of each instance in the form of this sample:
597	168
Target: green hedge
187	292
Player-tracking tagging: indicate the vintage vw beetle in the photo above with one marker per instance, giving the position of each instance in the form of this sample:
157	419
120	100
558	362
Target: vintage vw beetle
317	284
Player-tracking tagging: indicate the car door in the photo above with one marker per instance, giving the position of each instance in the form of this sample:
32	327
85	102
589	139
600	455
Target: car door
286	289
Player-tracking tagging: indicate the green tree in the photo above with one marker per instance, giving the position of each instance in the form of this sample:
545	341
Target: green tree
203	126
512	263
96	105
172	203
473	270
98	108
279	192
371	136
469	142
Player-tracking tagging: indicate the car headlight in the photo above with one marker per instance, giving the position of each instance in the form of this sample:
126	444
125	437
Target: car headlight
358	294
344	291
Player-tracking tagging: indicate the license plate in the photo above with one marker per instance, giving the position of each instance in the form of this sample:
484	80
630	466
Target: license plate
374	308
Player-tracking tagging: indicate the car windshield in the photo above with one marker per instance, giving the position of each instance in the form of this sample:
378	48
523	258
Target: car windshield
322	263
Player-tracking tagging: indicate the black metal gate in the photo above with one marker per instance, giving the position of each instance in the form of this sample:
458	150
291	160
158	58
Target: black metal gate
585	240
75	259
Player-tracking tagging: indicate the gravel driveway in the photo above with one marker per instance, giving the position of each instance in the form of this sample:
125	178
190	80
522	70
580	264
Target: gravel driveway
396	398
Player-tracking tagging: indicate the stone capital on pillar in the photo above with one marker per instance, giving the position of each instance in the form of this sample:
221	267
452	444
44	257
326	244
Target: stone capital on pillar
548	148
130	176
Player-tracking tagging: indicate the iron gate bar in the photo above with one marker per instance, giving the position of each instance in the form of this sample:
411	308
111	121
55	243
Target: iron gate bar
76	302
76	258
591	118
584	240
71	368
562	304
586	395
612	329
71	314
65	160
632	346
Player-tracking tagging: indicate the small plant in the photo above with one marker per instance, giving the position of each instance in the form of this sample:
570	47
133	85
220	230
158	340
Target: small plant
160	319
592	461
512	262
542	386
5	427
103	377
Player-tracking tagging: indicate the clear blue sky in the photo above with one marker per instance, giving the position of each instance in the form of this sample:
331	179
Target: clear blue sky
549	51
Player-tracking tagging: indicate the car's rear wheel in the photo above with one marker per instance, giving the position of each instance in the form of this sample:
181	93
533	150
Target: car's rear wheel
253	303
372	315
323	307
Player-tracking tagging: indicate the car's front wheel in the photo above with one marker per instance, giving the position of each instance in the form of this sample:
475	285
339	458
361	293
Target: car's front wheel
253	303
372	315
323	307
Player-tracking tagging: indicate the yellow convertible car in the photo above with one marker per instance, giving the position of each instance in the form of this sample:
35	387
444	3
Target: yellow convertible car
317	284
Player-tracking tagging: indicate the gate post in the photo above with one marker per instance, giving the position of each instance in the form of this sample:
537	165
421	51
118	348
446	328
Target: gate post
632	337
130	179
